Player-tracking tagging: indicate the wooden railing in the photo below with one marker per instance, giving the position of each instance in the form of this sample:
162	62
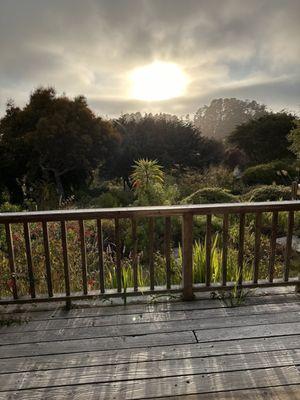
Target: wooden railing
135	214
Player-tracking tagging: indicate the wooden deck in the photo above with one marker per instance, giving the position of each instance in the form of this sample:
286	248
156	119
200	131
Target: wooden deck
193	350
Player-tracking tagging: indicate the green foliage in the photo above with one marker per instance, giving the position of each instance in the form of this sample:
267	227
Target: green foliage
9	320
146	175
53	140
148	181
190	180
7	207
268	193
264	139
233	297
105	200
210	195
294	139
278	172
166	138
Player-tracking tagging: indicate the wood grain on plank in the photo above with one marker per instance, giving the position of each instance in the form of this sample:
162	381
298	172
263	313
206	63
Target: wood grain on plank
166	307
177	385
243	332
125	356
108	343
149	211
290	392
148	317
144	370
150	328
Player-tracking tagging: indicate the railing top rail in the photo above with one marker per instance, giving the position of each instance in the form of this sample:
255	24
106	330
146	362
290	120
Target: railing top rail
149	211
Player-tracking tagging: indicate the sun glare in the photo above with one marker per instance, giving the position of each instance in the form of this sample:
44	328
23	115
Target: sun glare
158	81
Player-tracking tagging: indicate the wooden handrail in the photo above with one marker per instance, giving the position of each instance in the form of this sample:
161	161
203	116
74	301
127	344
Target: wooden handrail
149	211
136	214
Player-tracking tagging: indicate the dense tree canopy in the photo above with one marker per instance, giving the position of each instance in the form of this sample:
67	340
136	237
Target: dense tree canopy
221	117
264	139
294	138
171	141
52	139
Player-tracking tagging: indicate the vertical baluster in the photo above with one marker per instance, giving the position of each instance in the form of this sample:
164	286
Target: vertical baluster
168	250
83	256
134	254
258	217
294	190
11	260
208	250
224	249
151	250
273	245
118	255
29	259
288	246
100	254
47	258
241	248
187	256
65	261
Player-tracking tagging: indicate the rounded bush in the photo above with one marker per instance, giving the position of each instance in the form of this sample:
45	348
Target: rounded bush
266	174
269	193
210	195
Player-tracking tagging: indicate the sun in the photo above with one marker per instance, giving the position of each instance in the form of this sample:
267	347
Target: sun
158	81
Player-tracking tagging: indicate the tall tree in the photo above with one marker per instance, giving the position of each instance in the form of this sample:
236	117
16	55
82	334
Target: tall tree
221	117
167	139
265	139
54	139
294	139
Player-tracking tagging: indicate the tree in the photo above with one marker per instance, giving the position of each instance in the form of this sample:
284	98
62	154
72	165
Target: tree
149	184
264	139
221	117
294	139
169	140
56	140
235	157
147	181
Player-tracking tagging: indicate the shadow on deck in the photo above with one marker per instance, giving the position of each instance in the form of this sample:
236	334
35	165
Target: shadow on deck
199	349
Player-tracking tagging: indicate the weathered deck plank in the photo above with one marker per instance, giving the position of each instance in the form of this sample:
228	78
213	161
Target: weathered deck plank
117	310
146	370
153	328
154	353
201	349
291	392
93	344
177	385
148	317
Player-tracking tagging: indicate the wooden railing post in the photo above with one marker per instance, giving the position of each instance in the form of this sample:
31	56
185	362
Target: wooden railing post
294	190
187	256
297	287
294	197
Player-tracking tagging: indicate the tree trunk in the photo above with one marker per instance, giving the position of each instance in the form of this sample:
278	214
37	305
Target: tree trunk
59	187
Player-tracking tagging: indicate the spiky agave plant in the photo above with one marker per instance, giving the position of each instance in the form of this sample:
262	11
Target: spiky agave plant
147	180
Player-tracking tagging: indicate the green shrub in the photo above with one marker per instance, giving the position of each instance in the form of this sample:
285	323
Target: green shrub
192	180
268	193
265	174
8	207
210	195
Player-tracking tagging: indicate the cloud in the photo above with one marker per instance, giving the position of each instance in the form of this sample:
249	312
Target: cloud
227	48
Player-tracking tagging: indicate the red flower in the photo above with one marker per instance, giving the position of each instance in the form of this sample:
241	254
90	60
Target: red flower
16	237
11	283
91	282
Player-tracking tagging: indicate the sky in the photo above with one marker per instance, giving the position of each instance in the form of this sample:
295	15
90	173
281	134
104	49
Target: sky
225	48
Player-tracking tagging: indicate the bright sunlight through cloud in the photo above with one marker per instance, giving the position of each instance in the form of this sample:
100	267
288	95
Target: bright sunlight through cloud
158	81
